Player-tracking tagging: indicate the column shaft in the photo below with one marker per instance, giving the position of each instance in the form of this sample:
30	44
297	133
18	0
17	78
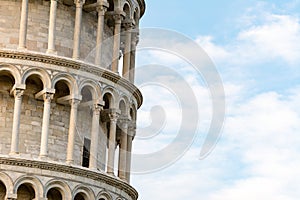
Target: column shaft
52	27
95	137
77	29
112	143
116	48
72	130
16	122
127	53
23	25
122	154
128	158
100	30
45	126
132	66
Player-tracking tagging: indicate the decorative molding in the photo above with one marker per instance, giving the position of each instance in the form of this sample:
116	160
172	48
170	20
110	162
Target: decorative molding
73	171
76	65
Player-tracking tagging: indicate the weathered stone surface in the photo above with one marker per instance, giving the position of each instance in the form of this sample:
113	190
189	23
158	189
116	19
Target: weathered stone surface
39	91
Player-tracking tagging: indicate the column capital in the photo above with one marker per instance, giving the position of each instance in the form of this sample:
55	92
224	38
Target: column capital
123	122
48	96
102	8
118	16
97	108
18	93
18	89
79	3
113	116
128	24
74	102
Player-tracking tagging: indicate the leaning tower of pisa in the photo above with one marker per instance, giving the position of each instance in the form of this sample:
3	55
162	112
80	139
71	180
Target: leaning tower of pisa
68	102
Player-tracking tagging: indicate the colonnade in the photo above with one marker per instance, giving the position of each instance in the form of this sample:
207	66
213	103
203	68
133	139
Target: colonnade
120	20
115	119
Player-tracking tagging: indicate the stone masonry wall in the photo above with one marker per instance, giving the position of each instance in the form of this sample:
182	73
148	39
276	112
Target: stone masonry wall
31	125
37	33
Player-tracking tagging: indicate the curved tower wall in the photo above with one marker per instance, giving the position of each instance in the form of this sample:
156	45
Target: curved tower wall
67	105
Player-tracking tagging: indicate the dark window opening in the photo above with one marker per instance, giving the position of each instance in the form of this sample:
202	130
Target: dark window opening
86	152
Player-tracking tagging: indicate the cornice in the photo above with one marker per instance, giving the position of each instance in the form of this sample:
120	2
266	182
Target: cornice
66	169
76	65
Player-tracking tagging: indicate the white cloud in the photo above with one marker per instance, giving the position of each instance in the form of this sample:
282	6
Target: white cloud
258	154
257	157
276	38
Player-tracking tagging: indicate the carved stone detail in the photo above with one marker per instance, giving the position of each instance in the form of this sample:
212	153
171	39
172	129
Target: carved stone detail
76	65
18	93
85	173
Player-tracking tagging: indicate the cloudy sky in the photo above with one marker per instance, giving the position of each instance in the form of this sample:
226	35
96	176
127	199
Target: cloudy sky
255	48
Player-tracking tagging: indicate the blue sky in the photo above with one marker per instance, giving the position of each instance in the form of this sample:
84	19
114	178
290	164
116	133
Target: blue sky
255	46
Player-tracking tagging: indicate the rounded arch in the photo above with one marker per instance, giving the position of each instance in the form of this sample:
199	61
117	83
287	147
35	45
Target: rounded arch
136	16
69	80
86	192
42	74
7	181
126	7
111	5
104	195
124	105
61	186
92	87
12	70
133	112
34	182
109	96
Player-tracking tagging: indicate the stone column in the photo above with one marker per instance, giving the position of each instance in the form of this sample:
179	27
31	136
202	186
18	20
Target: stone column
127	51
134	42
72	130
101	9
23	25
52	27
18	93
123	150
77	28
95	136
113	116
117	36
46	121
130	136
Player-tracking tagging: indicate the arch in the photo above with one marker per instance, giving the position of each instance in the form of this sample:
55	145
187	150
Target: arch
104	195
61	186
124	105
69	80
93	88
136	16
84	191
12	70
34	182
111	5
42	74
55	194
127	9
133	112
3	191
7	181
112	95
